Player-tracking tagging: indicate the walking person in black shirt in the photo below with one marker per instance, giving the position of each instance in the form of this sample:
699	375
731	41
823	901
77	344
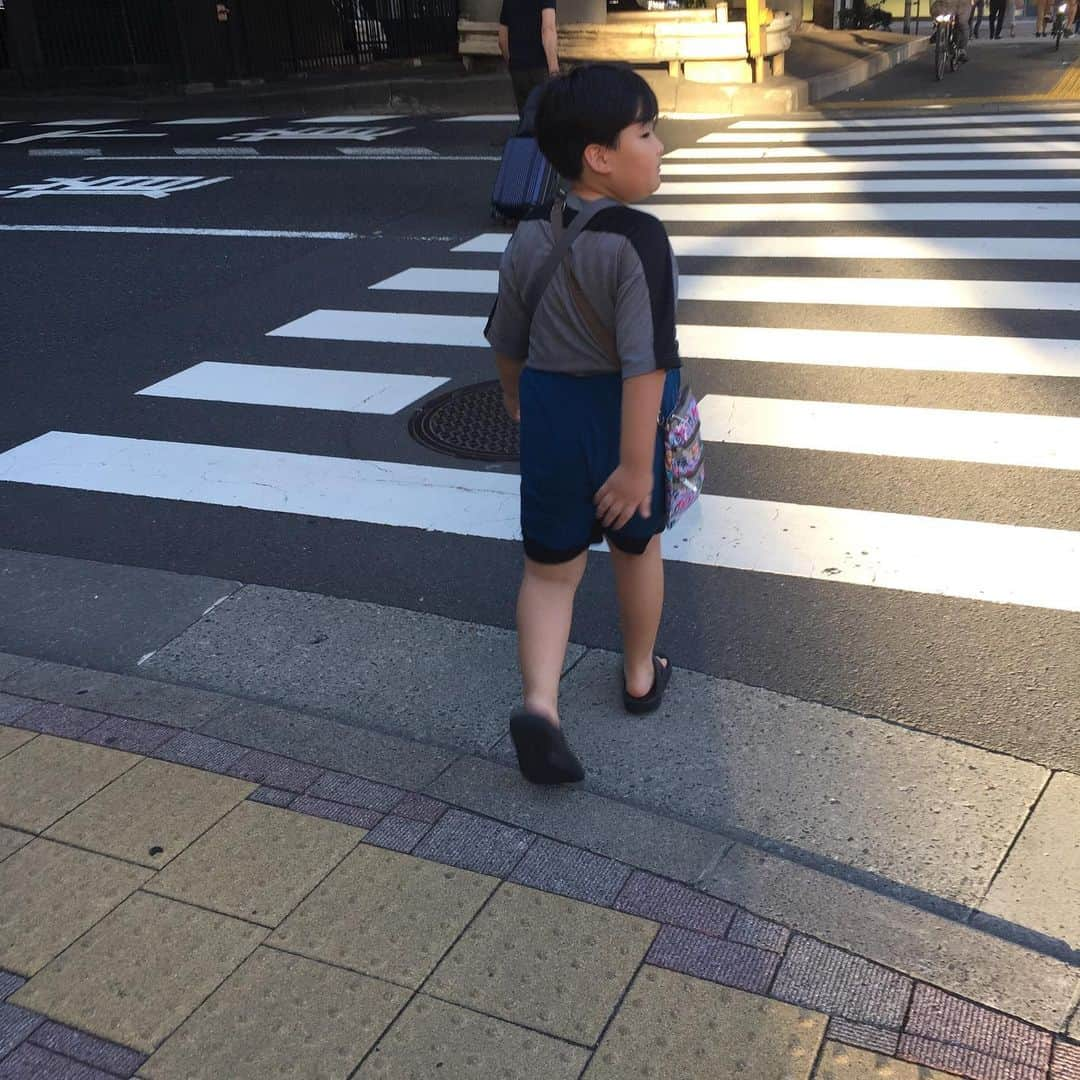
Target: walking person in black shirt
529	43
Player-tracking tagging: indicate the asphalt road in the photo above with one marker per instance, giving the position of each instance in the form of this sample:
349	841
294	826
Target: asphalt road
91	318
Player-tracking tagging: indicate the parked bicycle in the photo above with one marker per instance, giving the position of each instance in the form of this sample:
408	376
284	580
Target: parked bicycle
946	47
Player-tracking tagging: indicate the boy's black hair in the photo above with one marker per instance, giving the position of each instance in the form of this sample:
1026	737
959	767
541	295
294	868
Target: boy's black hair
590	105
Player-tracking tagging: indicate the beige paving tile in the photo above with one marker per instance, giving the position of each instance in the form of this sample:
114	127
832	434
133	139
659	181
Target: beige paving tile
156	805
282	1016
42	780
432	1038
11	841
544	961
137	975
672	1026
257	863
12	738
840	1062
385	914
1039	885
52	894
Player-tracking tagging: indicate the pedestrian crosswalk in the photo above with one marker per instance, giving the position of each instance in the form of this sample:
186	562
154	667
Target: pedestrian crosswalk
975	306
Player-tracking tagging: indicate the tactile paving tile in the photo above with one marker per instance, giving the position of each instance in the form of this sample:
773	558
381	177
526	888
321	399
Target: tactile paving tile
152	813
420	808
433	1038
474	843
356	791
543	961
30	1062
822	977
397	833
714	959
44	779
272	796
136	736
384	914
751	929
134	977
90	1050
52	894
9	983
669	902
971	1064
60	720
864	1036
272	770
334	811
257	863
950	1019
567	870
11	738
839	1062
200	752
673	1025
16	1024
1064	1064
282	1016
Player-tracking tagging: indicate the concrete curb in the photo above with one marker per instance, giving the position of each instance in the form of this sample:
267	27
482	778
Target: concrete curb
859	71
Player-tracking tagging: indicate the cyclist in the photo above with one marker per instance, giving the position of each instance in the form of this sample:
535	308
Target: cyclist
1041	29
960	10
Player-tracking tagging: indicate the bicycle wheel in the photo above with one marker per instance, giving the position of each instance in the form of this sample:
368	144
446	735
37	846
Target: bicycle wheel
940	48
1058	28
954	61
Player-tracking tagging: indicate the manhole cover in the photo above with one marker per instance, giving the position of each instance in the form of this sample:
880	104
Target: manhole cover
468	423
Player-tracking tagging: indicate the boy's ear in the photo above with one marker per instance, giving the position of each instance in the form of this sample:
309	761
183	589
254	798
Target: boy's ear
596	158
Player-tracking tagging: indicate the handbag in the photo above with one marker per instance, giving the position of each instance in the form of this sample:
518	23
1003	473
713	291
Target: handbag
684	459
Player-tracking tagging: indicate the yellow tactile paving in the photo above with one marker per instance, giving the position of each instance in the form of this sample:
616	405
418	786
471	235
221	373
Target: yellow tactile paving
839	1062
12	738
137	975
280	1016
44	779
52	894
153	813
544	961
385	914
435	1039
257	863
673	1026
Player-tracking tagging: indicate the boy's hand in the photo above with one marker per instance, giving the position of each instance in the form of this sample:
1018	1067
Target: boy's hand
625	492
512	405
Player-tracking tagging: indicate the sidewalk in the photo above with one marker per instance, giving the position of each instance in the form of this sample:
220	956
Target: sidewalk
777	883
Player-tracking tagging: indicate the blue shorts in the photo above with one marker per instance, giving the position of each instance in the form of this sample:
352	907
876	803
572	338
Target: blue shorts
569	447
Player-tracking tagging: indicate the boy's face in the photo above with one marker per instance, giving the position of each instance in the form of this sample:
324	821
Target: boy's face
635	163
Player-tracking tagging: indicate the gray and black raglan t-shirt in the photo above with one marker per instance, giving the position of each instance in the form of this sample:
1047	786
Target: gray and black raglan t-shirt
625	266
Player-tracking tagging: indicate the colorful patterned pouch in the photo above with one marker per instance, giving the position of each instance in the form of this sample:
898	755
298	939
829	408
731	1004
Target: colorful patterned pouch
684	465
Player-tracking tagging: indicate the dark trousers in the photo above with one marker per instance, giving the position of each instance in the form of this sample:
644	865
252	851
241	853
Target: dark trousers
997	16
975	22
525	80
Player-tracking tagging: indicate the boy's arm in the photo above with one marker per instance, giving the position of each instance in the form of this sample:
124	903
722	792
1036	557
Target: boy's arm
629	488
504	41
549	35
509	375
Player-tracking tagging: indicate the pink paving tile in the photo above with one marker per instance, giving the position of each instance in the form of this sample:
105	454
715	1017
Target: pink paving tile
474	843
136	736
761	933
397	833
963	1060
949	1019
273	770
31	1062
1065	1063
669	902
13	707
272	796
90	1050
61	720
864	1036
9	983
420	808
200	752
570	871
333	811
356	791
710	958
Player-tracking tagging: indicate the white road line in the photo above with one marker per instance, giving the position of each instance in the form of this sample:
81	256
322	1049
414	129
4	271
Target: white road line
949	188
215	151
939	556
487	118
1044	442
768	289
86	123
1048	357
296	388
881	136
360	119
206	120
999	213
765	153
842	247
339	157
853	165
911	121
162	230
65	151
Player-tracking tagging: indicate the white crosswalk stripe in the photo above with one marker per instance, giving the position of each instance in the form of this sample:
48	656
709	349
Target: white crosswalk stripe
994	562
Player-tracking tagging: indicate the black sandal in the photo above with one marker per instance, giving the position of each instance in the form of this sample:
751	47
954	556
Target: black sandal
653	699
542	751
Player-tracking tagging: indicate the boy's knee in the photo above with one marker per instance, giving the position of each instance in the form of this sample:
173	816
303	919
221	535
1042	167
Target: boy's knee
556	573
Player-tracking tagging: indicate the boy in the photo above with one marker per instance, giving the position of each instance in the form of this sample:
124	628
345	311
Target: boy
591	449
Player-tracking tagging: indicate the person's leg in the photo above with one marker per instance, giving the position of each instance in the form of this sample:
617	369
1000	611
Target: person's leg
545	609
1040	15
639	587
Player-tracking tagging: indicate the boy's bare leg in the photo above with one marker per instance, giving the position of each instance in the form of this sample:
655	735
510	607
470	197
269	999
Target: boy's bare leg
639	586
545	609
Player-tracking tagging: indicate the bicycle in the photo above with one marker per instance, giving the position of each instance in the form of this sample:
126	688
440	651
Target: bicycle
945	46
1058	29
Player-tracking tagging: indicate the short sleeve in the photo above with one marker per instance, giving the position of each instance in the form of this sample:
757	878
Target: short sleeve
547	4
507	329
645	303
